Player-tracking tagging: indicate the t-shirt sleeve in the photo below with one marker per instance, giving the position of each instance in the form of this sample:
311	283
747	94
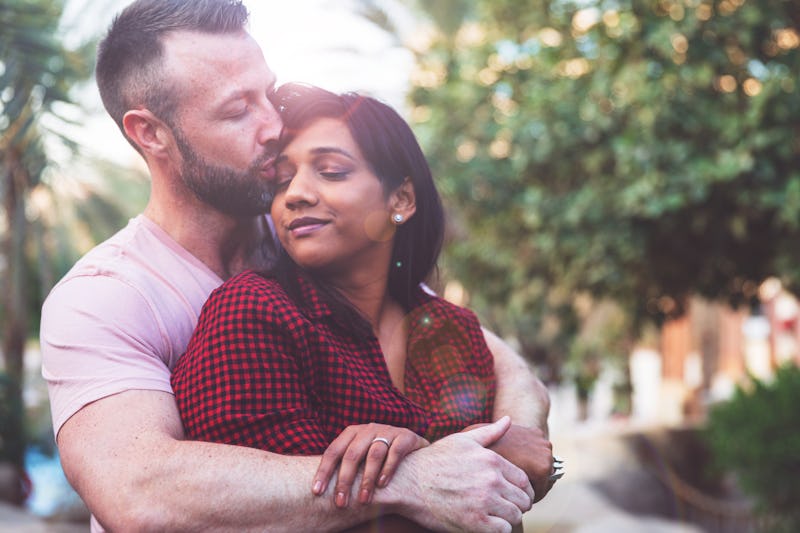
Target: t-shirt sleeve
242	379
99	337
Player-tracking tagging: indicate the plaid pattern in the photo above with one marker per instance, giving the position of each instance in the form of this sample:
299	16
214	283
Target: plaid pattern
262	372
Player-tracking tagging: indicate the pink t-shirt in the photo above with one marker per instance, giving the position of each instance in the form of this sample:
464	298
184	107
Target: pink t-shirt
120	318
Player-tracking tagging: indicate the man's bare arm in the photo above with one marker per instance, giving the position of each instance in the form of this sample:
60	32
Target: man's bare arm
520	394
126	457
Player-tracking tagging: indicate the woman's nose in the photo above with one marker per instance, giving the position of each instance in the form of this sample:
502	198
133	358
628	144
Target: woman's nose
300	190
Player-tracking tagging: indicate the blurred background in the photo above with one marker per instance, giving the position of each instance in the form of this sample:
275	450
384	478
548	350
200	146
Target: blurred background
622	180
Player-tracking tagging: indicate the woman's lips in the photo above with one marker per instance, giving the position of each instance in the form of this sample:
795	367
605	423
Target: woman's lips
305	225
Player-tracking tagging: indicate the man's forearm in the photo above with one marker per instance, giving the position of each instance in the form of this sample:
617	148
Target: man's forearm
125	457
520	394
219	487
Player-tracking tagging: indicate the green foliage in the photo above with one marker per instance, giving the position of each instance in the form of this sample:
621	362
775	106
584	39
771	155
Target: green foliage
637	151
42	210
51	216
756	435
36	73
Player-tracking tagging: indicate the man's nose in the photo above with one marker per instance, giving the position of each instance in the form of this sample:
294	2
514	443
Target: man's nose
271	123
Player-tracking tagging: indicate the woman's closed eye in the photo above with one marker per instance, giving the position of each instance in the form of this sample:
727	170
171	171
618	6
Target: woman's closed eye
284	172
333	172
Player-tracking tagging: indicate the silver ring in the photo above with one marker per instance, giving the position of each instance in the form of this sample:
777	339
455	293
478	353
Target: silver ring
383	440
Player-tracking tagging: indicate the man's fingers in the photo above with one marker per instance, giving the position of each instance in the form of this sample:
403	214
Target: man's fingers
520	498
498	525
514	496
518	489
503	505
490	433
515	475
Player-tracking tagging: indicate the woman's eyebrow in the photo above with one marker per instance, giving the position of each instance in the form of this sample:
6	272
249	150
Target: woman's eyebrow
322	150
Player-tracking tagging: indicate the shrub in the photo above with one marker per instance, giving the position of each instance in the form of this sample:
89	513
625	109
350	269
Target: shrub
756	436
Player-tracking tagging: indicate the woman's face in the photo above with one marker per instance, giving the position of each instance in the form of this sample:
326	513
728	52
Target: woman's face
330	210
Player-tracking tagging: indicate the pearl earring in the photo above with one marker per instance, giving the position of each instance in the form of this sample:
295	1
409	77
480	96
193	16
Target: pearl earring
397	218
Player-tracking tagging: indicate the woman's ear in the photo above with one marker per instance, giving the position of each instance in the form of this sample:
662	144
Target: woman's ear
148	132
403	200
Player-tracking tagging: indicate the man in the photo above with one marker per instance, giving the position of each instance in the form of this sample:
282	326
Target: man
190	90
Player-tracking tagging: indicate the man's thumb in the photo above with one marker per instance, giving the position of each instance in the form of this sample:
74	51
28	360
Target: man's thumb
490	433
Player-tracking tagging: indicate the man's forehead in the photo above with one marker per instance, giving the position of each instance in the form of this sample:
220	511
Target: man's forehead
194	44
196	54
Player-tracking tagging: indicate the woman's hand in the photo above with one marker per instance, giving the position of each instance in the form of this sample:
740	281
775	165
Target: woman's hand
378	446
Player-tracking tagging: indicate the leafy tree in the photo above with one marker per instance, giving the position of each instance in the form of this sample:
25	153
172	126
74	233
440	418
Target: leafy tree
626	150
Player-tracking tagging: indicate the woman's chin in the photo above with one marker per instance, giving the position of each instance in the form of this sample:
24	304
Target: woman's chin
310	263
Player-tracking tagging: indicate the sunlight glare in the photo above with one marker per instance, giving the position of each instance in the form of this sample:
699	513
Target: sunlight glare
327	43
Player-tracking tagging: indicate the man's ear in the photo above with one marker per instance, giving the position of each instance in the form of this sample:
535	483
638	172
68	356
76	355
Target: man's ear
403	200
149	132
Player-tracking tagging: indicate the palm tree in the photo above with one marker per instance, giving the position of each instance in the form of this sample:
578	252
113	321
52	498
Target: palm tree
446	15
36	73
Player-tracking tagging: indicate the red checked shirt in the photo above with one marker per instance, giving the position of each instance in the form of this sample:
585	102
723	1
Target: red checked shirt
263	372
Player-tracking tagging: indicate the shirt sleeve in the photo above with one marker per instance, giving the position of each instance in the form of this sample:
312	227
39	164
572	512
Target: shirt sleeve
99	337
481	360
450	370
241	380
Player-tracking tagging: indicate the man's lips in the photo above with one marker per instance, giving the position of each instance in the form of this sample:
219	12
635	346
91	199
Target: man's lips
268	168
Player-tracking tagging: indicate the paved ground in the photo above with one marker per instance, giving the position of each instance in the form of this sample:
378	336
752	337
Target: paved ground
14	520
596	457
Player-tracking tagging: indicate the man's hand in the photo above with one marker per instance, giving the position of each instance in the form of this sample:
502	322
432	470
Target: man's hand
457	484
521	395
529	449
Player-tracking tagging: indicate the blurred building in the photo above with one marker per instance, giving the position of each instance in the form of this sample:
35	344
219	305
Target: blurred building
703	355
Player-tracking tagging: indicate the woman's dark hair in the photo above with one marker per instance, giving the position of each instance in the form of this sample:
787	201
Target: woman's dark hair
393	154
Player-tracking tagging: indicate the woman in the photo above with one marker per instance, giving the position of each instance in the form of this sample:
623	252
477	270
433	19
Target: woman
338	345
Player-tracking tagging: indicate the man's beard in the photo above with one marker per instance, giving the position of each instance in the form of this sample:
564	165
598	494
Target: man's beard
236	193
